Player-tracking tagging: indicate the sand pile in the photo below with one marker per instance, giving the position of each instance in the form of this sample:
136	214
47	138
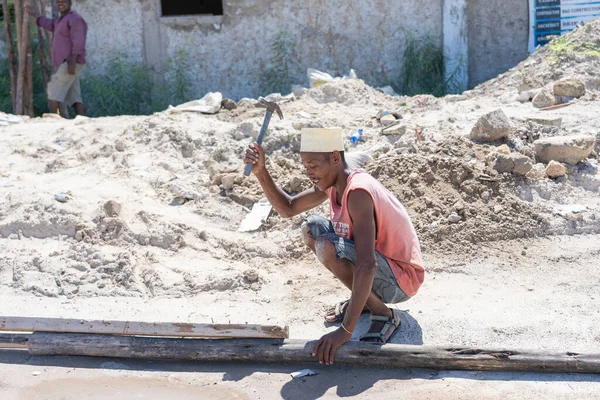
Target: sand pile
151	205
575	55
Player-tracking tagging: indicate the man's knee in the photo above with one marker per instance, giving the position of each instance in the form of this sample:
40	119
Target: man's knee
325	250
306	236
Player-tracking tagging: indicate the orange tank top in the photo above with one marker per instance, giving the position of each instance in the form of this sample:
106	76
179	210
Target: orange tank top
396	237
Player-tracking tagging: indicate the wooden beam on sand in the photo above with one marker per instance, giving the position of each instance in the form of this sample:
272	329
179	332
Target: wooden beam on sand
299	351
170	329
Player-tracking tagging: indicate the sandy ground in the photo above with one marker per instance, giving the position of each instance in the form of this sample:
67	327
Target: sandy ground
149	232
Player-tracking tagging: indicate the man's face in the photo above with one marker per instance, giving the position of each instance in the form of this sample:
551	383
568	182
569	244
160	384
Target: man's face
63	6
320	168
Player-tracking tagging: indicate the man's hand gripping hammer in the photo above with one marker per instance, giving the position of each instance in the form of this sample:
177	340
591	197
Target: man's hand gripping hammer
271	108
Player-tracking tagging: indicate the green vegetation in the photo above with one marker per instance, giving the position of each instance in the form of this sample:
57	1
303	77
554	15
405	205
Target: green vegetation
284	69
566	46
423	70
125	88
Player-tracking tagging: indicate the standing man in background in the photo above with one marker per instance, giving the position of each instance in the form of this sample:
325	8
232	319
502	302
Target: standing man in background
68	57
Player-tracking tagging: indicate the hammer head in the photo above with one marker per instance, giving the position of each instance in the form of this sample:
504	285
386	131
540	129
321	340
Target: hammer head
271	106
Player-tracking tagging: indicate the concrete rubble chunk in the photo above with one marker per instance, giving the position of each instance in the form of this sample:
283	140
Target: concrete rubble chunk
502	162
569	87
228	104
527	95
523	164
555	169
396	129
112	208
537	172
546	121
544	99
565	149
491	127
387	120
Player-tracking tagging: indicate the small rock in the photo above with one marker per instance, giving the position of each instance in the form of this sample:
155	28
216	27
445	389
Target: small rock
120	145
527	95
486	196
523	164
502	162
547	121
396	129
251	275
228	104
453	98
544	99
36	373
112	208
538	171
503	149
515	143
289	282
454	218
387	120
228	181
565	149
555	169
491	127
569	87
298	90
498	209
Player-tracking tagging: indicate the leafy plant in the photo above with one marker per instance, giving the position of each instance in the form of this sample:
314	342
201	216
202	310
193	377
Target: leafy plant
283	69
566	45
179	76
423	70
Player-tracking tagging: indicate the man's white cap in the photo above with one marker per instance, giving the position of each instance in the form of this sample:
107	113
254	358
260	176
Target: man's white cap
321	140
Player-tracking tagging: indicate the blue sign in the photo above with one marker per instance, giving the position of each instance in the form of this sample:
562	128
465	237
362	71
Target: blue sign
552	18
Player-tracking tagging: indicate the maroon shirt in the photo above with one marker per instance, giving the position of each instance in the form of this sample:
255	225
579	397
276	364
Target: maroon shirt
70	33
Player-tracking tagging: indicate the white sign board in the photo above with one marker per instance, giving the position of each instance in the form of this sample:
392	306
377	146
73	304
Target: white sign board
552	18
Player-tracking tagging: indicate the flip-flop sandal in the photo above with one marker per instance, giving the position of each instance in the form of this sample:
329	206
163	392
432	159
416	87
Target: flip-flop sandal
340	310
391	326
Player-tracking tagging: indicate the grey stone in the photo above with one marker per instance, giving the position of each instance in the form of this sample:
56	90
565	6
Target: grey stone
544	99
555	169
565	149
112	208
502	162
491	127
523	164
557	122
569	87
228	104
454	218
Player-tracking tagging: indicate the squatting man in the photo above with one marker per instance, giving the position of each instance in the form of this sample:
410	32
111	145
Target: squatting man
368	243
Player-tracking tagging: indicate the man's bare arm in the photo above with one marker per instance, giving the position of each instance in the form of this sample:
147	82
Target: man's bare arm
362	212
287	206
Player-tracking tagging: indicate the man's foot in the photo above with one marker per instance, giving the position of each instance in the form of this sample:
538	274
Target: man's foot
382	328
336	314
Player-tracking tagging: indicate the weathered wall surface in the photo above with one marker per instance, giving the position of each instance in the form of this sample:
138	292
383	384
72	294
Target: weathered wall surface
332	36
498	34
114	27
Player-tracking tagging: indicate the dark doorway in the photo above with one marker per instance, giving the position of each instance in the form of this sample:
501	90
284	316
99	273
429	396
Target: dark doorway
172	8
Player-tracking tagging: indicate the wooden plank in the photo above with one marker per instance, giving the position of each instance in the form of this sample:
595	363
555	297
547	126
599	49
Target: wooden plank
299	351
12	340
173	329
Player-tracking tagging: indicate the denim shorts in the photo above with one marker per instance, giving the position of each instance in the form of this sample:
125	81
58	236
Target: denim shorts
384	284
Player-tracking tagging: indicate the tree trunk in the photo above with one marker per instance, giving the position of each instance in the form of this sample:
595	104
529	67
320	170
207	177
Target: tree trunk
22	57
11	54
28	96
42	49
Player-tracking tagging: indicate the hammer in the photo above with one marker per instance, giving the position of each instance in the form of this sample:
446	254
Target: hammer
271	107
